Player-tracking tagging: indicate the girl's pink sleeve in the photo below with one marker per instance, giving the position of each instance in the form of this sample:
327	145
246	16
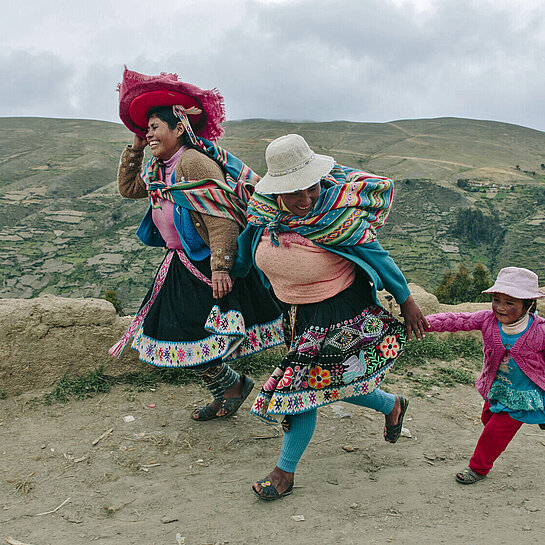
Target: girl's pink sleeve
457	321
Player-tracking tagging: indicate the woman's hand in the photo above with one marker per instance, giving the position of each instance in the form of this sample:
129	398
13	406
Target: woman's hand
222	284
138	143
415	321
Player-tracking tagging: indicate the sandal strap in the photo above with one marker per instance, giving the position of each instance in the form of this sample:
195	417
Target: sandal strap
205	413
393	433
232	404
468	476
269	492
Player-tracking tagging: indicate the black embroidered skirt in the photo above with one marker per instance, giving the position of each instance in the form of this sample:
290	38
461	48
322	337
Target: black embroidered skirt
341	347
180	324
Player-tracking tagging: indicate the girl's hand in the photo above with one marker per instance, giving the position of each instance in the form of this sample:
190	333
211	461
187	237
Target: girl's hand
138	143
222	284
415	321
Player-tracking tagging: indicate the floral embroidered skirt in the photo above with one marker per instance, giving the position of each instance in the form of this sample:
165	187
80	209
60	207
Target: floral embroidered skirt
341	347
184	326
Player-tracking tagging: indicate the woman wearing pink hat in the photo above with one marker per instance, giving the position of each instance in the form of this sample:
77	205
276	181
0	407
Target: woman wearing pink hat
194	315
512	382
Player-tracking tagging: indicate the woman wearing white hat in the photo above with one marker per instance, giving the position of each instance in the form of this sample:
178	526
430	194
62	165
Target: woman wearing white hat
512	382
311	233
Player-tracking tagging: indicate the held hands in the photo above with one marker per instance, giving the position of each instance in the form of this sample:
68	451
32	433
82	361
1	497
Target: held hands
415	321
222	284
138	143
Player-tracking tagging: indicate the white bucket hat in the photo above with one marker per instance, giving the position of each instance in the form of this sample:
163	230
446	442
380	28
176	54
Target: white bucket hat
292	166
517	282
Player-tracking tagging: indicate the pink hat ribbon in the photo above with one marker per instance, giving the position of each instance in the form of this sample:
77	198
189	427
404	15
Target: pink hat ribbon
181	113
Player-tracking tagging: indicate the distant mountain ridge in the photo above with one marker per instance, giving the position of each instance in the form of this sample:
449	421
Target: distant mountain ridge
65	230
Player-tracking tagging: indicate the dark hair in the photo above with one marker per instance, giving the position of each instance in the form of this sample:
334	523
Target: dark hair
529	304
165	113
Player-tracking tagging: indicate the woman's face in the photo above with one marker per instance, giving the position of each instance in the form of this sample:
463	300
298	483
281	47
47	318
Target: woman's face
300	203
163	141
507	309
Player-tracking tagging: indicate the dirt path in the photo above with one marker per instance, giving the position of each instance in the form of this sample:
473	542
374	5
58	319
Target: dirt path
160	475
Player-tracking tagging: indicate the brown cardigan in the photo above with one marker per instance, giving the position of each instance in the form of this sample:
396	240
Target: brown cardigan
220	234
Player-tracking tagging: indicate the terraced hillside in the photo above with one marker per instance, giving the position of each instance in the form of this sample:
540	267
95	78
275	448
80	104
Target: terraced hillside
65	230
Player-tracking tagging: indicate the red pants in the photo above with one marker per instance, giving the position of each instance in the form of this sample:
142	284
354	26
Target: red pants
499	429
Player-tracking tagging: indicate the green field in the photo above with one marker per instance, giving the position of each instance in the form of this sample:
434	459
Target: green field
65	230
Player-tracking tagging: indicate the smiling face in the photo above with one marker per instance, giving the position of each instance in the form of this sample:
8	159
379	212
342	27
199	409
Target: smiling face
300	203
163	141
507	309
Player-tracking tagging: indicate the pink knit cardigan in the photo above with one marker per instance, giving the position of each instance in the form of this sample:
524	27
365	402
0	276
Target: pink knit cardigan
528	352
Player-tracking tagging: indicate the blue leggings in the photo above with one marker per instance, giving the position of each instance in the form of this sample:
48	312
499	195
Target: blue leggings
302	426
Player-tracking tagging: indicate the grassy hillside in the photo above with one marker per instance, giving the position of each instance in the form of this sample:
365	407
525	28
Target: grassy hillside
65	230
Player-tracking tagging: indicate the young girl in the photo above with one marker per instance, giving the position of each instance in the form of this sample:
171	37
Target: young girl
512	382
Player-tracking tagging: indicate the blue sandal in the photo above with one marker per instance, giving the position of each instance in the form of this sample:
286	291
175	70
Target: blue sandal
269	492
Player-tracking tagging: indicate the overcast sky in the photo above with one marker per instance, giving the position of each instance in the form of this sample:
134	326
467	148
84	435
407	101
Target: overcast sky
358	60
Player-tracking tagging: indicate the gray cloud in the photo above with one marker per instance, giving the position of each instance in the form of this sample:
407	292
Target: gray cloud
465	59
33	84
362	60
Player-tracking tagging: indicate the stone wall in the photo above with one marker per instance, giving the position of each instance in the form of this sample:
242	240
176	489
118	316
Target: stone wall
44	338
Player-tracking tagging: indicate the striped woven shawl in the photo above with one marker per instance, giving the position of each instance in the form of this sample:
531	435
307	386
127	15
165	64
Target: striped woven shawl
353	205
224	198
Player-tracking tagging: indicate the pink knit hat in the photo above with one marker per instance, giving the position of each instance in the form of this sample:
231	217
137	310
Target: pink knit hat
139	92
517	282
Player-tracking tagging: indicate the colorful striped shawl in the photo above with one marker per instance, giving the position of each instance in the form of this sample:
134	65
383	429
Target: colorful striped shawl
353	205
221	198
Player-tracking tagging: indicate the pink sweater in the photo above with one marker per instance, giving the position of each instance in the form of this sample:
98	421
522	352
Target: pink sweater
301	272
528	352
163	217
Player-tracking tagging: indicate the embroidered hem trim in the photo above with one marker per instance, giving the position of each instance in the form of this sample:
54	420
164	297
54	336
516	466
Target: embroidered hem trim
227	345
117	349
300	402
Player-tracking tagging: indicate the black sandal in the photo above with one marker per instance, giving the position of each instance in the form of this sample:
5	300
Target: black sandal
268	491
232	404
393	433
204	413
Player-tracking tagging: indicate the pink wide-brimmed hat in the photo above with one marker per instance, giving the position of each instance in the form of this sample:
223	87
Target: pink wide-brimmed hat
139	92
517	282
